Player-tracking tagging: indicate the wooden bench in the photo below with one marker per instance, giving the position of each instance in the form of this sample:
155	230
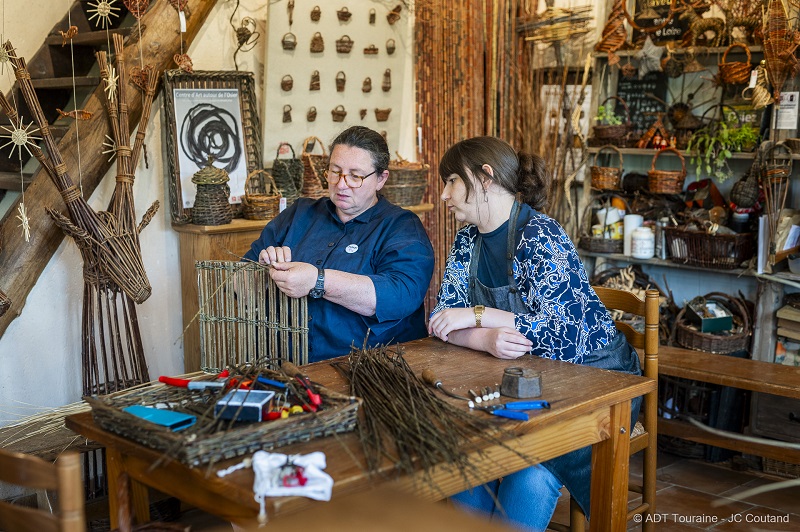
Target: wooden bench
745	374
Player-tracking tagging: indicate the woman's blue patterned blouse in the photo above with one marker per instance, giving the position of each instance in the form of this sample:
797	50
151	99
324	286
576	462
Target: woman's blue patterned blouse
566	319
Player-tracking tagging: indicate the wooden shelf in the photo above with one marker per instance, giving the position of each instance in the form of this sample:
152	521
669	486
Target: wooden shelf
700	51
619	257
650	152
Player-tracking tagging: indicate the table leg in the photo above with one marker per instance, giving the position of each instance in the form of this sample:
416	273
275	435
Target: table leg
610	465
116	475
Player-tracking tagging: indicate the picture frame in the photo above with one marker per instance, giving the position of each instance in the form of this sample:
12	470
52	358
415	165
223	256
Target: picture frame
209	113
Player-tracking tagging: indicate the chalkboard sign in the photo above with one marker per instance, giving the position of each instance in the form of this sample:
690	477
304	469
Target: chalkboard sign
634	92
673	31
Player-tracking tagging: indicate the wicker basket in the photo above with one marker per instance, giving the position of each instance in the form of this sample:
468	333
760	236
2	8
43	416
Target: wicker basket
690	338
314	183
700	248
407	183
386	85
390	46
262	197
289	41
344	45
606	177
316	13
344	14
287	113
666	181
371	50
287	83
317	44
608	133
212	202
382	115
209	440
311	115
288	175
314	84
599	244
780	468
735	72
341	79
394	15
338	113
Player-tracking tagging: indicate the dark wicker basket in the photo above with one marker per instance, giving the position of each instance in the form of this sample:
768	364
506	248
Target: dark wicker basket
616	131
689	337
700	248
666	181
212	202
288	175
606	177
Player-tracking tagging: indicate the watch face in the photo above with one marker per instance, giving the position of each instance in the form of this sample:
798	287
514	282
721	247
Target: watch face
316	293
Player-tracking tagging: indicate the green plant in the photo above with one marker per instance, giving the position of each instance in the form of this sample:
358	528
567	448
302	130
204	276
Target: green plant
606	116
715	143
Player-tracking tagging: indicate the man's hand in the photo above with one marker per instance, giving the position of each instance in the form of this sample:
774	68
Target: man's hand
295	279
505	343
273	254
452	319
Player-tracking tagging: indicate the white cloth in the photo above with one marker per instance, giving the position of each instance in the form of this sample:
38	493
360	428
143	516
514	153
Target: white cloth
267	484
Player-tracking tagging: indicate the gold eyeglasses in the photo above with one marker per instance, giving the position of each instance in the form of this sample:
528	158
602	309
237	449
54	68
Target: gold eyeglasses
351	180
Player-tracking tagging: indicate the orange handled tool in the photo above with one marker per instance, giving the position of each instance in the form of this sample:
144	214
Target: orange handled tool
313	397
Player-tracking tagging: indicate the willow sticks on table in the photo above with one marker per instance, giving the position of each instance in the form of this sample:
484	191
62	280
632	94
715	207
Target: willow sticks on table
406	422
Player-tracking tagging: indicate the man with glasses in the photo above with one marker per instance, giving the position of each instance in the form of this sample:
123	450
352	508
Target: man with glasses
364	263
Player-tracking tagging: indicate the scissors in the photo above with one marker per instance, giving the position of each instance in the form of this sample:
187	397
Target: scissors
514	409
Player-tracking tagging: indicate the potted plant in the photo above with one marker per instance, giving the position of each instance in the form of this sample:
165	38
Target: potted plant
714	144
609	126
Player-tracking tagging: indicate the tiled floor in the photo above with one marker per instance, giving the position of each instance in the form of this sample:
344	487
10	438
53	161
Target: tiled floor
688	493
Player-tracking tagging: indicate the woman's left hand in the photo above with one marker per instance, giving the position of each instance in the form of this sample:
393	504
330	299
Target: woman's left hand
452	319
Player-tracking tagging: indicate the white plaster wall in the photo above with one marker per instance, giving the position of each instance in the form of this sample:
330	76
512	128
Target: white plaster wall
40	350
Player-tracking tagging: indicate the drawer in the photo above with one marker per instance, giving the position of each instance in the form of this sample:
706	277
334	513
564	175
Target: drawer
775	417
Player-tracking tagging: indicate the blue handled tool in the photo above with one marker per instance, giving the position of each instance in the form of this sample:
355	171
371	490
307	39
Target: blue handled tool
270	382
502	412
524	405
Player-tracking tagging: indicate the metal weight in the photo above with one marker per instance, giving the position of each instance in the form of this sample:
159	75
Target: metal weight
521	383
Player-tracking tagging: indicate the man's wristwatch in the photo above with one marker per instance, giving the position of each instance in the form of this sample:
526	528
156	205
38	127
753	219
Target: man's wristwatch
319	289
478	314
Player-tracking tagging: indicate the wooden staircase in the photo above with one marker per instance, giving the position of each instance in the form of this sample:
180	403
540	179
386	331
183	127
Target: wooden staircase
51	72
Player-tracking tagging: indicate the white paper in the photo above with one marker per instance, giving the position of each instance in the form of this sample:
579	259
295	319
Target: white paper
763	242
793	239
183	21
787	112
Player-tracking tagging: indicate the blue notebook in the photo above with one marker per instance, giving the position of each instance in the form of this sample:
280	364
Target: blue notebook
171	419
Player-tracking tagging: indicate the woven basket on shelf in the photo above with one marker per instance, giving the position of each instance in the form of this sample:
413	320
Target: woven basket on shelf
689	337
211	204
615	132
700	248
606	177
666	181
262	197
735	72
288	175
314	183
599	244
407	183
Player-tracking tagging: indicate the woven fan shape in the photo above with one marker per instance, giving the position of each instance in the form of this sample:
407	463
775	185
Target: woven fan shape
779	47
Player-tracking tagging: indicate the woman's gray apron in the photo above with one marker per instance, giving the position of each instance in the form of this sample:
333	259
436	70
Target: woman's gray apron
572	469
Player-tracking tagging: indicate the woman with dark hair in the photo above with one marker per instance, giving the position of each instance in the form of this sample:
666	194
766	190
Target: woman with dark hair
514	285
364	263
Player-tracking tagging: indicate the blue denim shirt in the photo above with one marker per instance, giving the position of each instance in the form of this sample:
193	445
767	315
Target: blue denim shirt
386	243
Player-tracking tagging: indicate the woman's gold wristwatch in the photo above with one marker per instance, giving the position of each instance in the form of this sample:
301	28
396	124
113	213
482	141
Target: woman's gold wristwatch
478	314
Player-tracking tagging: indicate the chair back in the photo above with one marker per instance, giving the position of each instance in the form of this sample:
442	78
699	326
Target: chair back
62	477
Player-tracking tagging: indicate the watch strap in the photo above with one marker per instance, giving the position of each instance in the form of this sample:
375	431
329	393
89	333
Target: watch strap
479	309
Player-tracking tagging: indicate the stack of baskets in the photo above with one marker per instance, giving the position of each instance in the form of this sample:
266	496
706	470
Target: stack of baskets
262	198
314	166
666	181
736	340
606	177
211	205
407	183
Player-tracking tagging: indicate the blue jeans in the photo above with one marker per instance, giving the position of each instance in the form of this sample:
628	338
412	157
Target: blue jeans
525	499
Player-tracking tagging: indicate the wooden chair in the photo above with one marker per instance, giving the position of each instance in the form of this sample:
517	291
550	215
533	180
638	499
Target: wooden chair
62	477
647	347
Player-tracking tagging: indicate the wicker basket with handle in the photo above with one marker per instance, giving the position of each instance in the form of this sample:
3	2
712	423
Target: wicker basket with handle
606	177
289	41
407	183
344	45
617	131
690	338
599	244
262	197
735	72
314	167
666	181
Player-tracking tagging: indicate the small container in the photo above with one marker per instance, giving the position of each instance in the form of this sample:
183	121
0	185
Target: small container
661	245
643	243
740	222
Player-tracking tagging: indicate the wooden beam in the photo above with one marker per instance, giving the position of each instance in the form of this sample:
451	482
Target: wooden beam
22	262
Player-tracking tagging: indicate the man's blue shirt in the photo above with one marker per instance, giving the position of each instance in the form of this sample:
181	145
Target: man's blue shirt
386	243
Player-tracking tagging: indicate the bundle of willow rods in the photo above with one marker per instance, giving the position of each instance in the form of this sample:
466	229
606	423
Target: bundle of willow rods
406	422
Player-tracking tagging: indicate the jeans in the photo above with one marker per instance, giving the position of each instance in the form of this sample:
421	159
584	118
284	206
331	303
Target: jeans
525	499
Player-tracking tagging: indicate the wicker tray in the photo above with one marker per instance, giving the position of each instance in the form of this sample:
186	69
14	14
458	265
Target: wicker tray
210	440
699	248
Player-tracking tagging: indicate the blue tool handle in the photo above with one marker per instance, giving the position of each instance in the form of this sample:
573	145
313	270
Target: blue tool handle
270	382
527	405
511	414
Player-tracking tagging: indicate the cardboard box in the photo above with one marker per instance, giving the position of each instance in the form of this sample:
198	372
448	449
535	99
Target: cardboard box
244	405
709	316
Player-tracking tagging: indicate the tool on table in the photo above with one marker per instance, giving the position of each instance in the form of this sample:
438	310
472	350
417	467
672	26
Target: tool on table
514	410
313	396
270	382
190	384
429	377
521	383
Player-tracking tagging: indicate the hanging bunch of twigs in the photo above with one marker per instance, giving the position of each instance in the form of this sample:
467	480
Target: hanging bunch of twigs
406	422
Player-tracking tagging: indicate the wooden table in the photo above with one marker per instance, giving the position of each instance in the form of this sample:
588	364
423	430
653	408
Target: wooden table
589	407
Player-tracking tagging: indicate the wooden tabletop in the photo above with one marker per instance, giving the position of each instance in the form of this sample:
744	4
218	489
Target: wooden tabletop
581	399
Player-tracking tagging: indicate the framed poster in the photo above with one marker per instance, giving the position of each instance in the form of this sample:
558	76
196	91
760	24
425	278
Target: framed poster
210	116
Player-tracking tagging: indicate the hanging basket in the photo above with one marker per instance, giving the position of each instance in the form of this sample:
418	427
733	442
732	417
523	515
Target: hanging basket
262	197
366	86
745	191
289	41
316	13
287	82
666	181
390	46
382	115
317	44
344	45
287	113
606	177
371	50
735	72
615	132
344	14
387	80
338	113
312	114
314	167
394	15
314	85
341	79
288	174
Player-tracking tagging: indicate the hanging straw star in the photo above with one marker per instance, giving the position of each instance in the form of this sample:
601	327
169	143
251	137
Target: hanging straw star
649	58
111	85
103	11
111	147
5	56
19	137
25	223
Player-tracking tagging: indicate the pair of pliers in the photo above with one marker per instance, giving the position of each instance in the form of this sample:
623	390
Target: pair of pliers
514	409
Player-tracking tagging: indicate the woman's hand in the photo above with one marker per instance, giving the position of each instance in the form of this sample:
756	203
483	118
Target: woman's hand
452	319
506	343
273	254
295	279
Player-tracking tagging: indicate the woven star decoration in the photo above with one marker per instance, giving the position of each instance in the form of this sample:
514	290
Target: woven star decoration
649	58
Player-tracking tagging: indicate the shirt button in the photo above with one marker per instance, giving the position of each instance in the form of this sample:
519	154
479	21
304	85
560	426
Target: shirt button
330	244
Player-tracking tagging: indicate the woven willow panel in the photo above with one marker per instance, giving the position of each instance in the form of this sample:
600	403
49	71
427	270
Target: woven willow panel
244	317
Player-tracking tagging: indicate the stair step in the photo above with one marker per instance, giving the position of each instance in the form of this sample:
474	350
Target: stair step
10	180
65	82
90	38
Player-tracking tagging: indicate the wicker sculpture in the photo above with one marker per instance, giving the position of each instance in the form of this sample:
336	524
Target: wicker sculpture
614	33
780	43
